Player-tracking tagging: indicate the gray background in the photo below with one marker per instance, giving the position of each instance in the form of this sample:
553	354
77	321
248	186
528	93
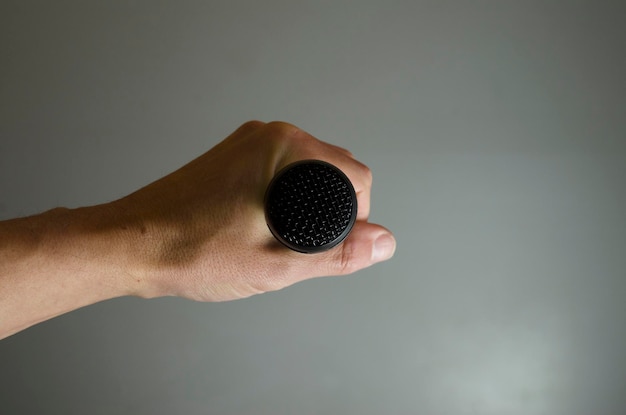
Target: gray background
495	132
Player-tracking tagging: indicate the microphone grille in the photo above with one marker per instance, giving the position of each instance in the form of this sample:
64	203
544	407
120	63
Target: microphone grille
310	206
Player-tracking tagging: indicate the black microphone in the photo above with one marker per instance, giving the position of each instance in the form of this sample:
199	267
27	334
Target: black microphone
310	206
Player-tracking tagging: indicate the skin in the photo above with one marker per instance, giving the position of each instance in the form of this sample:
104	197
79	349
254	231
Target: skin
197	233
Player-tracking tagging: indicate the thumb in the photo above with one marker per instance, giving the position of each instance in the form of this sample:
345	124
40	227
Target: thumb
366	245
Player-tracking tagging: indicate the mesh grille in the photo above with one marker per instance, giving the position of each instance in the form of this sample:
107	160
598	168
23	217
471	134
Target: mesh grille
311	205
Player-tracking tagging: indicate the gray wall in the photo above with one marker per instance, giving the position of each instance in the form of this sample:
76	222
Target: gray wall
496	133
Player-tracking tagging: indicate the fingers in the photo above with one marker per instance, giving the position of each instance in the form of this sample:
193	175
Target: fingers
300	145
361	177
290	144
342	150
366	245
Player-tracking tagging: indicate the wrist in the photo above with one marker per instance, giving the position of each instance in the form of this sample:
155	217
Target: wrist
133	243
111	243
93	246
89	243
59	261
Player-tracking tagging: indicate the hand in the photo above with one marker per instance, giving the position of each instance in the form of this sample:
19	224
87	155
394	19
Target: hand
201	231
198	233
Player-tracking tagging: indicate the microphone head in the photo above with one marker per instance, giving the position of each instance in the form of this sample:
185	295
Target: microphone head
310	206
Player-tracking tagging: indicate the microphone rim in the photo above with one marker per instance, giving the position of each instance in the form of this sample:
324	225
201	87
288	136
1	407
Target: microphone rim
318	248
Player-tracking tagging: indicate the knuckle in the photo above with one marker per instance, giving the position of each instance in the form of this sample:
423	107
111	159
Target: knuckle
252	125
366	172
347	263
282	129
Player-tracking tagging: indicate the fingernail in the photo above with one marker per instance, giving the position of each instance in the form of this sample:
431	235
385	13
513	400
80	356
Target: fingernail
384	247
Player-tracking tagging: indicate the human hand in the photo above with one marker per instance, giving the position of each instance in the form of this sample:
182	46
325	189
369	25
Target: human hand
200	232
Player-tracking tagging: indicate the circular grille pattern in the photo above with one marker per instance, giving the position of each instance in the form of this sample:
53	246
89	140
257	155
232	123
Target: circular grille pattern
310	206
